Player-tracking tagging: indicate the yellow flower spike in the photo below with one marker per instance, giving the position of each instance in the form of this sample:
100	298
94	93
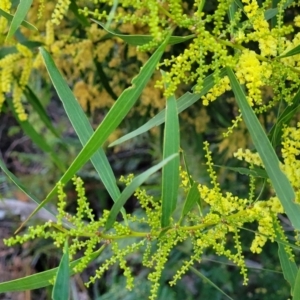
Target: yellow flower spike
26	52
41	8
297	21
7	66
217	90
49	39
24	78
17	95
61	204
2	97
6	78
290	151
60	10
4	5
248	156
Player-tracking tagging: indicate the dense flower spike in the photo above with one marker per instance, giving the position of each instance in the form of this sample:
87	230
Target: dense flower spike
60	10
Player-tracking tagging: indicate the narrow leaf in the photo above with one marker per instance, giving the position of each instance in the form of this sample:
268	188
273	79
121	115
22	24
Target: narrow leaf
256	172
296	290
185	101
289	268
61	288
272	12
207	280
193	197
80	17
41	279
11	50
113	118
139	40
232	11
81	125
170	172
104	79
16	181
129	190
19	17
239	4
191	181
38	139
39	109
9	17
270	160
291	52
284	119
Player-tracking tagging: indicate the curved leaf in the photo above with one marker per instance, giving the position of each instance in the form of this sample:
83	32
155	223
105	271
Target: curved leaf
61	288
139	39
113	118
270	160
19	17
9	17
289	268
185	101
285	117
41	279
129	190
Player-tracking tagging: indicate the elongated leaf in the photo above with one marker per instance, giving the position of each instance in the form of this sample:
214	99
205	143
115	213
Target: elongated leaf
104	79
81	126
7	50
207	280
16	181
19	17
239	4
272	12
129	190
270	160
232	10
170	172
61	288
289	268
11	50
139	40
193	197
112	12
80	17
41	279
192	182
185	101
256	172
187	169
37	139
296	290
9	17
113	118
285	117
39	109
274	5
291	52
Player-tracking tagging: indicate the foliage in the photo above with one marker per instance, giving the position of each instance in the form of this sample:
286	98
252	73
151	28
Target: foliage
244	49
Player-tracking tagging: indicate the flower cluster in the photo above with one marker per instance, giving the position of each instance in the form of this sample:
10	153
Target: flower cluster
82	59
17	65
213	228
252	73
290	154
